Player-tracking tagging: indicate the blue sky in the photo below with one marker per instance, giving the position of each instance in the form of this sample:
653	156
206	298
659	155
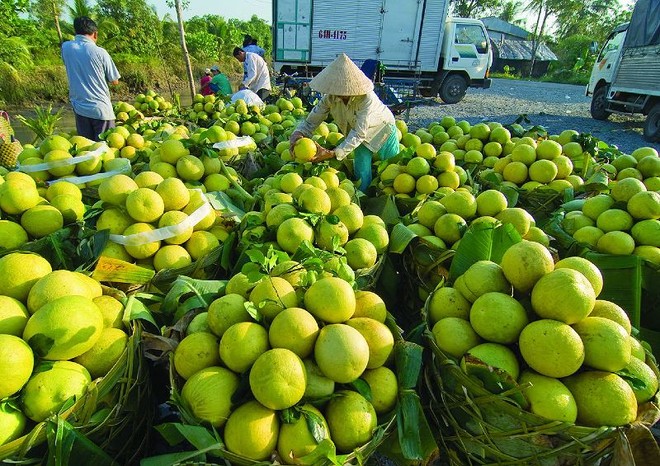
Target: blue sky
241	9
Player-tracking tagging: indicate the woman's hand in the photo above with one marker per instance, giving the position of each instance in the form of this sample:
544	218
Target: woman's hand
322	154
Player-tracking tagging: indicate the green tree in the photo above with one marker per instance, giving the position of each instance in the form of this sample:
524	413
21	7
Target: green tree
543	9
10	11
474	8
80	8
138	23
510	11
202	45
48	13
593	18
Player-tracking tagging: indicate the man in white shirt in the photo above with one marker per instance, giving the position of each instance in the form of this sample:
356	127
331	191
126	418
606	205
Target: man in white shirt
257	76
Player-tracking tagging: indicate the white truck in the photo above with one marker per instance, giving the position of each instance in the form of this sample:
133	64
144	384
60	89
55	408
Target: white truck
626	75
414	39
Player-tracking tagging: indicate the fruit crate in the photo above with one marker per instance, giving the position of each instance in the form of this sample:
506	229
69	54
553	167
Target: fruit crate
477	426
631	282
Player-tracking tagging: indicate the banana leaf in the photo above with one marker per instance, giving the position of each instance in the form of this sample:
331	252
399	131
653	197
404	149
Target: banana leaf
74	247
482	242
111	270
382	206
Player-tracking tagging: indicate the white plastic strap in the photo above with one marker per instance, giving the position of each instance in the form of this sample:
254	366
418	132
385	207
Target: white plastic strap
162	233
63	162
126	169
234	143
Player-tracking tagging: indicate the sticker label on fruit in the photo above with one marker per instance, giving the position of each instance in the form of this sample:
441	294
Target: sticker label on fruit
162	233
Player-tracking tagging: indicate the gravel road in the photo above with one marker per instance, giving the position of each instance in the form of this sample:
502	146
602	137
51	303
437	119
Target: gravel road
555	106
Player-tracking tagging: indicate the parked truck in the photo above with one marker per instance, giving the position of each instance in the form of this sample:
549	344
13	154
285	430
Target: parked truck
414	39
626	76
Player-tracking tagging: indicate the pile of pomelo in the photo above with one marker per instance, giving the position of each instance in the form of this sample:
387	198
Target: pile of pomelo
137	209
540	323
444	150
290	356
60	156
28	216
625	219
304	354
320	210
58	332
444	219
150	103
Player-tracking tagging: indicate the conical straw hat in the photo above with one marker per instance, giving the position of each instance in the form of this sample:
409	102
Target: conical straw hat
342	77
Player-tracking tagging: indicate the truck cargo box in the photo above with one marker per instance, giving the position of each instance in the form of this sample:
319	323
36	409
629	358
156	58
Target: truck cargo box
402	34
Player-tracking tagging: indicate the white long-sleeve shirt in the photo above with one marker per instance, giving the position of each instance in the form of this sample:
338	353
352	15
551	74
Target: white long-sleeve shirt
363	119
257	75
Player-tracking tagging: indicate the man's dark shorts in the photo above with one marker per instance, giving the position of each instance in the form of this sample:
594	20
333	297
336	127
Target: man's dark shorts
91	128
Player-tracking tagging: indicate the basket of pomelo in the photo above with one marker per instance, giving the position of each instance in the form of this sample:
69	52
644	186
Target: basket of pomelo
529	367
75	383
303	377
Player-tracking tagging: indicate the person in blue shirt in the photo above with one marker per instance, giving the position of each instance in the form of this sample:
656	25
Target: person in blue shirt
89	69
250	45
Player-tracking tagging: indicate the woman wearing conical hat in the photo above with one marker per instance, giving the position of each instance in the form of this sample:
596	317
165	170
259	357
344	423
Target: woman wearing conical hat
348	95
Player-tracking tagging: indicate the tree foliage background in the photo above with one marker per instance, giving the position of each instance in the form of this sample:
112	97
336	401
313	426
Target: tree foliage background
144	46
568	27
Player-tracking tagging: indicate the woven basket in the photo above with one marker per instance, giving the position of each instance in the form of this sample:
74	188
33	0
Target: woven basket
114	415
12	151
479	427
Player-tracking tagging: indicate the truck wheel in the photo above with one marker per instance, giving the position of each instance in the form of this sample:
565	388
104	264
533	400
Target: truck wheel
652	124
599	104
453	89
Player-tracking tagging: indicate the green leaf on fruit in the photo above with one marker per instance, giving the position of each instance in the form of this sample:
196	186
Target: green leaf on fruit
290	415
634	382
400	238
315	424
362	387
253	311
256	257
324	450
332	219
483	242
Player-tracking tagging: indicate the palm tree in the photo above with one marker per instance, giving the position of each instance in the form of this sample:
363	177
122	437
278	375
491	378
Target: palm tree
510	10
79	8
544	8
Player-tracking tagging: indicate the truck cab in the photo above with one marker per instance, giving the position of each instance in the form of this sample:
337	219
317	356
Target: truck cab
465	59
626	75
602	73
